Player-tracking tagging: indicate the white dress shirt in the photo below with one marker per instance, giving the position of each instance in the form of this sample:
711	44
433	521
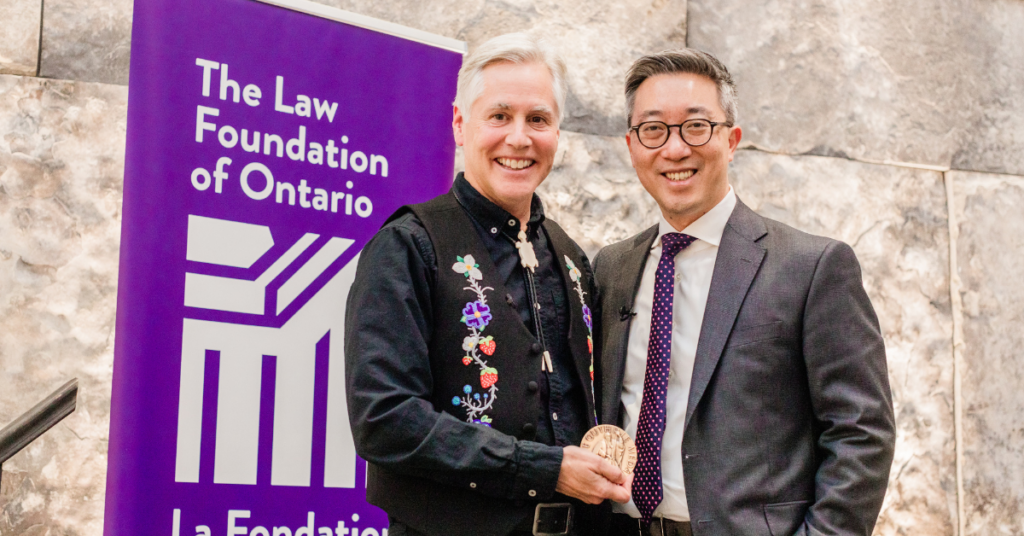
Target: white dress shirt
694	267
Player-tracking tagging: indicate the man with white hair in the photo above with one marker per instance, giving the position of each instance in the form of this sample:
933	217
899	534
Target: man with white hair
468	337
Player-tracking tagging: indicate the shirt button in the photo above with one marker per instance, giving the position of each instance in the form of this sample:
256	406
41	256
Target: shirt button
511	223
531	387
535	347
472	485
494	230
529	428
532	493
554	416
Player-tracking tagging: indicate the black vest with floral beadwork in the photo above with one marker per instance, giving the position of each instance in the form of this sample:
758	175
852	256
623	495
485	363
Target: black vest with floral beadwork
482	361
482	357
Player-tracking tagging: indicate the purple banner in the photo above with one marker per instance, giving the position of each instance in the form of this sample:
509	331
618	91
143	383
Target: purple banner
265	147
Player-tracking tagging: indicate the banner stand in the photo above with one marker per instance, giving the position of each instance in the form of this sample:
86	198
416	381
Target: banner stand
267	142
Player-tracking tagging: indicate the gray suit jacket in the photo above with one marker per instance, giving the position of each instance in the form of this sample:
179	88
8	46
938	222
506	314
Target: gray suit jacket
789	425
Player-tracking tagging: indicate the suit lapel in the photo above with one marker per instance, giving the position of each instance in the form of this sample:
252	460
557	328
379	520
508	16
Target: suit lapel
739	259
629	273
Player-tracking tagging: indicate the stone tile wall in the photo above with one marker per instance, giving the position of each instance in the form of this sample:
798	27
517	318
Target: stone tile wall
838	102
19	36
593	192
87	40
929	81
61	169
990	251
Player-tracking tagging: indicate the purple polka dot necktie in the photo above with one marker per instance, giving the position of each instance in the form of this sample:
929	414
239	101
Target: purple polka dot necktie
647	488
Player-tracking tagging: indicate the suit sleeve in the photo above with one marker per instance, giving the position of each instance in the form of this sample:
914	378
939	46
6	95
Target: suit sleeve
389	382
851	399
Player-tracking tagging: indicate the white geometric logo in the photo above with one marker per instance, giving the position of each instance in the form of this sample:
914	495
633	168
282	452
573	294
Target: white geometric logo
242	347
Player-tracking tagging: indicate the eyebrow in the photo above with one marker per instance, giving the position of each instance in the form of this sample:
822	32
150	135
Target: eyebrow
689	111
536	109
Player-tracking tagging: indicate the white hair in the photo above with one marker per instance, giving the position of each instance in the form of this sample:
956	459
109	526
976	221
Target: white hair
509	48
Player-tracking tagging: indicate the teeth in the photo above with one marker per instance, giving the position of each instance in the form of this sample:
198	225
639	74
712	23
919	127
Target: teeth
514	163
682	175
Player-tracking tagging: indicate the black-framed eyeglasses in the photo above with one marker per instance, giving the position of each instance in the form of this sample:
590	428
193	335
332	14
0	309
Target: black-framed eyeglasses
695	132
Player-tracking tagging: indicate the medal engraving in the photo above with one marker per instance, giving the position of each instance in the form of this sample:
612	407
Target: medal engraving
613	444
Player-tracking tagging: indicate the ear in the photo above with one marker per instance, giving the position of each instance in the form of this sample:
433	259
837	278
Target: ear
457	124
734	140
629	145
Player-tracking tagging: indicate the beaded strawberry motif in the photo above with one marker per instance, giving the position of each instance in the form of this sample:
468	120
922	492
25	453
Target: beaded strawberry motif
486	345
476	315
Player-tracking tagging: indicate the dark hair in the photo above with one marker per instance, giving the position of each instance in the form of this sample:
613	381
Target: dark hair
687	60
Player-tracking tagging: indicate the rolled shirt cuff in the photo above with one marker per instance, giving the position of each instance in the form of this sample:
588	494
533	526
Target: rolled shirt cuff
537	469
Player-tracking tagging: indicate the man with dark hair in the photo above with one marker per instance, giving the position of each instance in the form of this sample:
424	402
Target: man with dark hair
468	360
742	355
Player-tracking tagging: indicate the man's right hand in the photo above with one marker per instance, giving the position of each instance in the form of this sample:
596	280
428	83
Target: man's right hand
590	478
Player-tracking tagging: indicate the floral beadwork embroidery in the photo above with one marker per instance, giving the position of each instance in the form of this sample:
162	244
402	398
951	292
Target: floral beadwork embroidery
588	317
476	315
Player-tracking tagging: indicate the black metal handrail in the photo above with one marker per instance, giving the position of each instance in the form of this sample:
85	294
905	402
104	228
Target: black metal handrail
36	421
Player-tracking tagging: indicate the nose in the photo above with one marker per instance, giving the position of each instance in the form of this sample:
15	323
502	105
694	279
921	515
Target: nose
675	148
518	136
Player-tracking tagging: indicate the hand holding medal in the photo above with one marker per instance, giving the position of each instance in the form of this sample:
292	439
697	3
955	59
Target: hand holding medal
613	444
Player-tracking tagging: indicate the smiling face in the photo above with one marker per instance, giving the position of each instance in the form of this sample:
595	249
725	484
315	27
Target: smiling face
511	134
685	181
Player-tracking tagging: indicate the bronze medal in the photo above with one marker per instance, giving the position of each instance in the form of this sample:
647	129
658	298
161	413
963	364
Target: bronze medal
613	444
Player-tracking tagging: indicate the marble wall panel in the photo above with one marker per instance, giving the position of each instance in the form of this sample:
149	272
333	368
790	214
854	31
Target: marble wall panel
598	38
995	132
593	192
87	40
61	168
19	36
895	219
988	213
927	81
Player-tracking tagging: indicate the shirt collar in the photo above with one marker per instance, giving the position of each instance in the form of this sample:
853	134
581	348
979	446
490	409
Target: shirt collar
491	216
708	227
